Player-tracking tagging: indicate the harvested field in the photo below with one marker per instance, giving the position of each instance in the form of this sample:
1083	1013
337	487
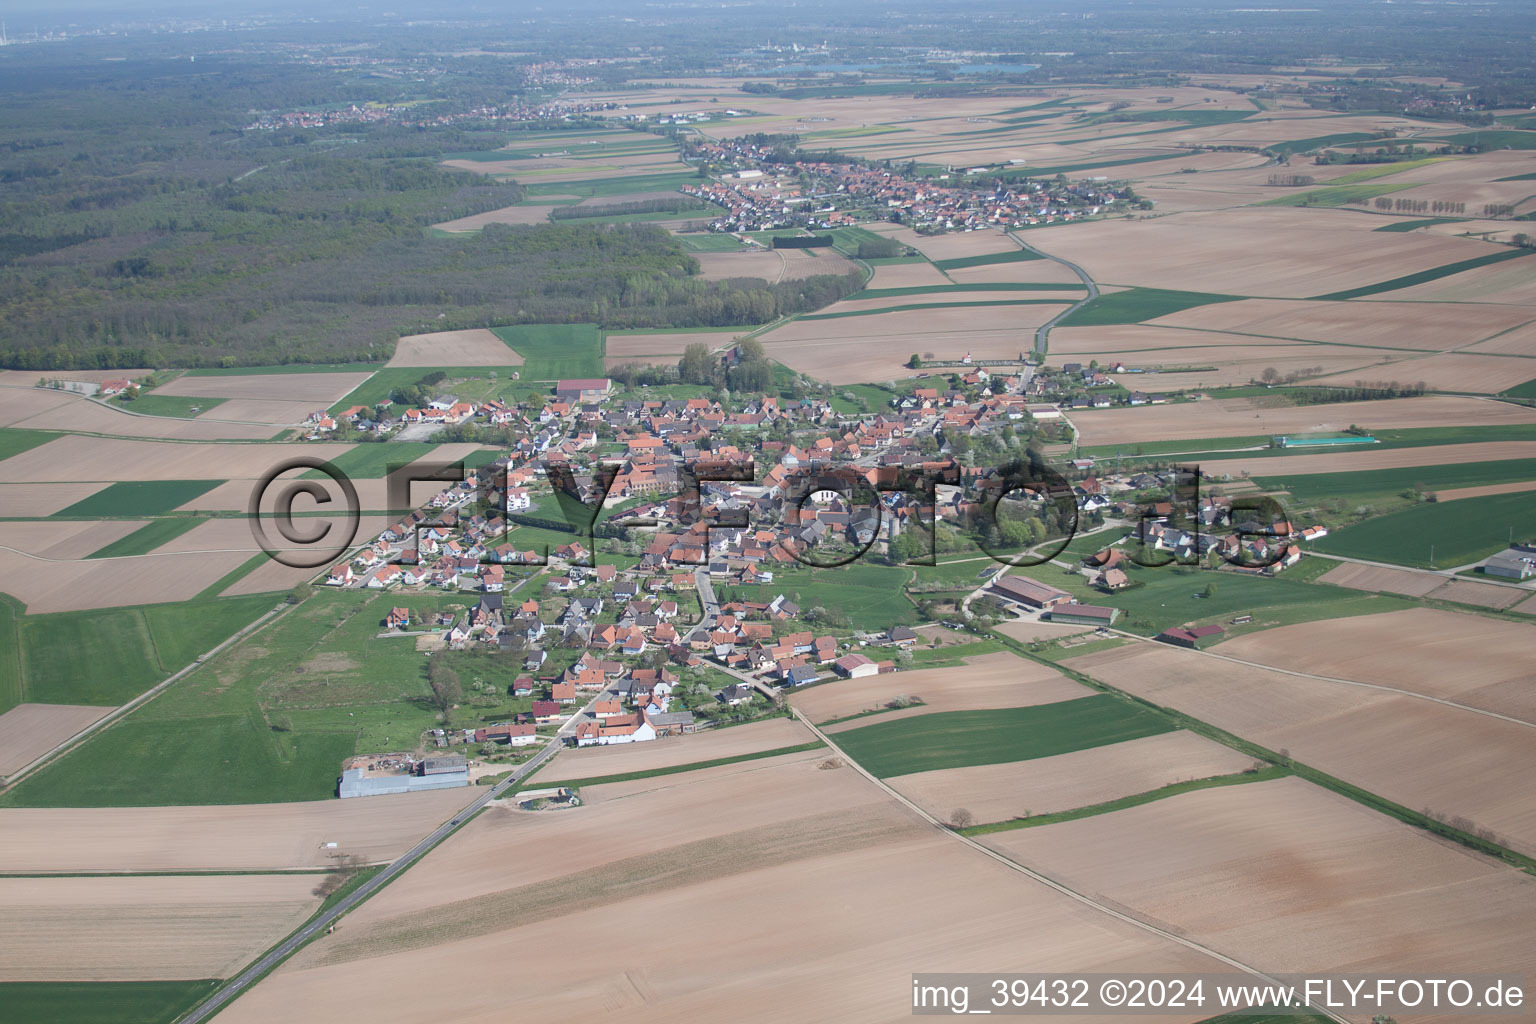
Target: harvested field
625	346
60	586
1000	680
477	347
75	458
145	929
1290	877
1456	493
1481	662
1368	457
1411	325
66	539
999	792
77	413
1233	417
591	762
316	389
862	348
1411	751
767	852
1305	252
1380	578
522	213
20	500
907	275
28	731
236	837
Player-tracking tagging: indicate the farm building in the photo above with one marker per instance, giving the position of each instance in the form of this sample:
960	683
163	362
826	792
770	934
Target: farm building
1179	636
1084	614
449	772
1510	565
1029	592
583	390
855	666
1301	441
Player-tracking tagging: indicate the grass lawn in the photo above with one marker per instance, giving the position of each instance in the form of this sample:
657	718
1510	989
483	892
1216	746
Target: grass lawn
1433	274
377	388
711	241
15	440
987	259
100	1002
1460	531
1134	305
151	404
130	499
959	739
869	595
148	537
555	351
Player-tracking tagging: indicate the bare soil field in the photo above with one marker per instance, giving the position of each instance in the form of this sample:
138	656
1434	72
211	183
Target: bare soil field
733	863
954	298
624	346
955	244
1457	371
522	213
28	731
73	412
1021	271
1411	751
1000	792
20	500
145	929
864	348
907	275
24	402
1290	877
1483	595
1370	457
1501	282
60	586
65	539
29	378
1412	325
1454	493
269	578
75	458
1027	630
1000	680
1304	252
317	389
1520	342
590	762
1223	359
1474	660
221	535
478	347
764	264
1231	417
802	263
261	410
1380	578
247	837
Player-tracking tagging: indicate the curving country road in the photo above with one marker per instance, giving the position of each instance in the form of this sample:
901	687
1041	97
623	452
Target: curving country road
1043	332
283	950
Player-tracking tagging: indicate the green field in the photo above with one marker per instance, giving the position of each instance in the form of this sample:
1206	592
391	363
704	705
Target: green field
1373	171
271	718
1433	274
1385	482
374	461
182	406
1414	225
1460	531
99	1002
10	654
1134	305
869	595
611	186
14	440
556	351
1317	142
980	286
1526	390
148	537
1495	139
960	739
129	499
64	655
1332	196
1016	256
919	306
709	241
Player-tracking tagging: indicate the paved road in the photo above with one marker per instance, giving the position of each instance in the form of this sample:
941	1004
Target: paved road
1045	879
246	978
1043	333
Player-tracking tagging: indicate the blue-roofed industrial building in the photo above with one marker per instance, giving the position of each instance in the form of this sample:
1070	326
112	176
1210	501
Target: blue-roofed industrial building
435	773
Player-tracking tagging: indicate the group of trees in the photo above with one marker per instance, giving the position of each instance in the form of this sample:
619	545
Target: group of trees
750	372
1420	206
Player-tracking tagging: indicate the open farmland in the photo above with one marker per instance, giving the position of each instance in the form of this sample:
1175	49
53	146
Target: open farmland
1230	417
959	739
1418	584
316	389
74	458
1404	325
57	586
1432	535
735	859
522	213
1469	372
18	500
147	928
58	410
1366	458
907	275
622	346
670	751
1292	878
1414	752
477	347
28	731
998	792
991	681
243	837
